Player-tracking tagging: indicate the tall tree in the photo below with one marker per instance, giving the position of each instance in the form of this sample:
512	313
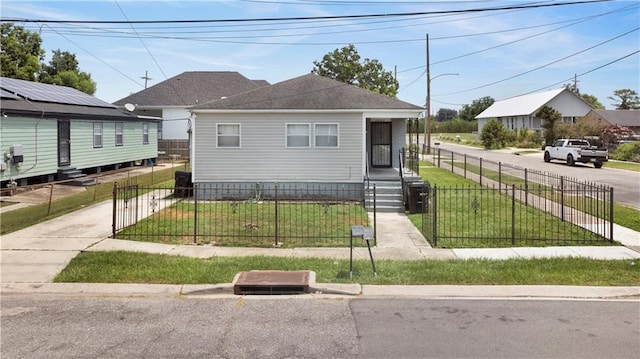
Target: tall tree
592	100
549	117
469	112
344	65
627	99
20	53
446	114
63	70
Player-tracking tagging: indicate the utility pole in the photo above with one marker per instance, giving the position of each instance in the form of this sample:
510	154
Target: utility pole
145	78
427	123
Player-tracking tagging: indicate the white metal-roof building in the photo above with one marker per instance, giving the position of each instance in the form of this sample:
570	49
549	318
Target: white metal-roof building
519	112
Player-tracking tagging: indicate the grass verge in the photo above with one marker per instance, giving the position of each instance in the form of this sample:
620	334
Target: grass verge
623	165
130	267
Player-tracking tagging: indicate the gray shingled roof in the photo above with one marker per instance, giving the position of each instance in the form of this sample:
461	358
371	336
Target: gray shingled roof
191	88
309	92
627	118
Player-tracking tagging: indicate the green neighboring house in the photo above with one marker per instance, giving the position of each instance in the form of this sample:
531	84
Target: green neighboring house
50	132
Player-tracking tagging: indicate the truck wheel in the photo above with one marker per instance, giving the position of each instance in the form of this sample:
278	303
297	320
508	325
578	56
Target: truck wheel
570	160
547	157
597	165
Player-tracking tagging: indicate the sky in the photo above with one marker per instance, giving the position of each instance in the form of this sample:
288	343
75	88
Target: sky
475	50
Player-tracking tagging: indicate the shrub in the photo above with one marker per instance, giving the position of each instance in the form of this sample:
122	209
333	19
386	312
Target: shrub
627	152
494	135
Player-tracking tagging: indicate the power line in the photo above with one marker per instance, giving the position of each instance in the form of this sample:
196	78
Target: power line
332	17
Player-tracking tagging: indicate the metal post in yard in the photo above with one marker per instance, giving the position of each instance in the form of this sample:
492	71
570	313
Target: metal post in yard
439	158
465	165
562	198
375	222
50	199
137	204
499	174
481	171
451	161
526	188
195	215
611	214
513	214
276	211
114	211
435	216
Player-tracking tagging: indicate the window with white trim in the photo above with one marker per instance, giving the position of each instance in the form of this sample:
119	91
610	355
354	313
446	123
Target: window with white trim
298	135
326	135
145	133
97	134
119	133
228	134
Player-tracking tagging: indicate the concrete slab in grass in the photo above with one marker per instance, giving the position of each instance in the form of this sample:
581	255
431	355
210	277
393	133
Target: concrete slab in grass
131	246
485	253
46	244
194	251
33	266
331	253
240	252
438	253
398	253
606	253
545	252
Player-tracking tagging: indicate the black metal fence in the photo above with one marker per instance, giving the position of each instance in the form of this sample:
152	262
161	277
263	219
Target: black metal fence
249	215
515	204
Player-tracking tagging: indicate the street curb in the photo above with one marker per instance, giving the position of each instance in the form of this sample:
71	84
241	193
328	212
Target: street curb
324	290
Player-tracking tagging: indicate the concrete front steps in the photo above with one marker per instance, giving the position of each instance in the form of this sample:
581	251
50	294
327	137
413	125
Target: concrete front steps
74	177
388	196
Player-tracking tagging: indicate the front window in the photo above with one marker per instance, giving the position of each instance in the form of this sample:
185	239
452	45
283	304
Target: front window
97	134
119	133
228	135
145	133
326	135
297	135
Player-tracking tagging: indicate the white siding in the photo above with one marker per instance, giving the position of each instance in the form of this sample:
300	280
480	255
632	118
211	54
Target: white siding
263	155
175	123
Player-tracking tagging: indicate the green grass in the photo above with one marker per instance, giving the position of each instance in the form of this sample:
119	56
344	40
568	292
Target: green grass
28	216
468	139
6	204
623	165
248	224
130	267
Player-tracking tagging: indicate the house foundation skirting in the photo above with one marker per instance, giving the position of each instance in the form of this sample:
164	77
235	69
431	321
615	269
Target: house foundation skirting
314	191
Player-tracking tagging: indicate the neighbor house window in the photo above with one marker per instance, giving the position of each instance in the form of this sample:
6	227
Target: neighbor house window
119	133
297	135
97	134
145	133
228	135
326	135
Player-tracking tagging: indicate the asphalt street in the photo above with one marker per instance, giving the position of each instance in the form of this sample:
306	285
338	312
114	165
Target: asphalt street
50	326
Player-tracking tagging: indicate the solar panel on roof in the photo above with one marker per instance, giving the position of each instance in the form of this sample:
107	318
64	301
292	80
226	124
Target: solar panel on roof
7	94
51	93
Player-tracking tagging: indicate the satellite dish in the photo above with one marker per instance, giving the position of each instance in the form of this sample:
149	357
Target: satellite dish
130	107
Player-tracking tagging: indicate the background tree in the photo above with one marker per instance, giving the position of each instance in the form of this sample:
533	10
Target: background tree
615	133
592	100
469	112
344	65
627	99
20	52
446	114
63	70
494	135
549	117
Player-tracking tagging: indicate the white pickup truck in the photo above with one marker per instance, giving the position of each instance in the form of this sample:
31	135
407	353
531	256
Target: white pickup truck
575	150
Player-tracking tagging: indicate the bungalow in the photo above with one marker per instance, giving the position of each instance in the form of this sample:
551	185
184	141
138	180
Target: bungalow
308	129
520	112
171	99
50	132
625	118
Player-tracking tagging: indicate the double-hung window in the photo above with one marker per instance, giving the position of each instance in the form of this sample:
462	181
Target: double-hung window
228	134
326	135
97	134
298	135
119	133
